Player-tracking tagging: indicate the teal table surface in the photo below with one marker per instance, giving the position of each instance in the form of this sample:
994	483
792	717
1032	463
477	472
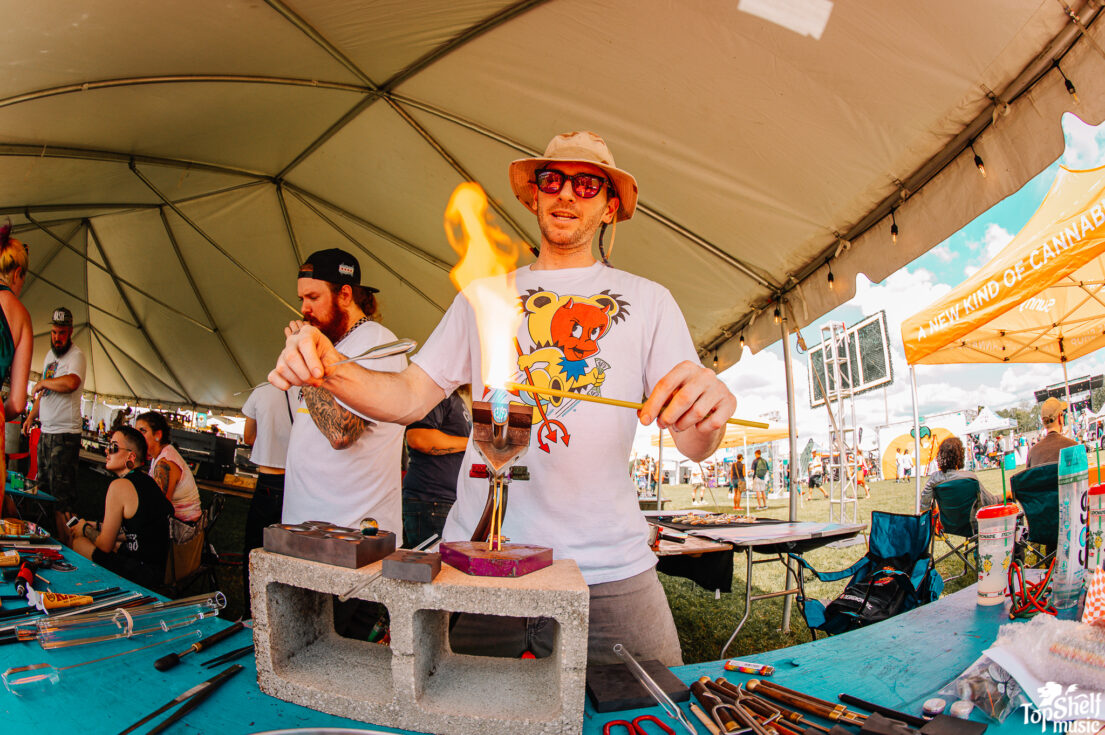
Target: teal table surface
897	663
44	496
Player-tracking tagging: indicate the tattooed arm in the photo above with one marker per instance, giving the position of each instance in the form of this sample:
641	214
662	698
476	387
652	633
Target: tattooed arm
338	425
433	441
166	475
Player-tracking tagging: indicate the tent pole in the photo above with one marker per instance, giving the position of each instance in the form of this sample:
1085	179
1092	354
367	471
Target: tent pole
788	369
660	470
916	443
747	502
1066	381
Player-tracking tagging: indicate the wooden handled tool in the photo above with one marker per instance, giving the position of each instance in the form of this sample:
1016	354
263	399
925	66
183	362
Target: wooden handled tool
167	662
806	703
711	704
787	714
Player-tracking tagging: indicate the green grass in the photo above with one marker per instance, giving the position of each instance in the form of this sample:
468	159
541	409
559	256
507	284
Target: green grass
705	623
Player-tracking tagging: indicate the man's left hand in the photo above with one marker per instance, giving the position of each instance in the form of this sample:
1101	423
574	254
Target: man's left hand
690	396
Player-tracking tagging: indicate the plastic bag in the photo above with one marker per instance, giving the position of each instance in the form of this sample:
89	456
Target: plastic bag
987	686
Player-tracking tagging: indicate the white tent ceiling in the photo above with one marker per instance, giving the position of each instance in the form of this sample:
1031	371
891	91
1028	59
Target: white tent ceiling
169	163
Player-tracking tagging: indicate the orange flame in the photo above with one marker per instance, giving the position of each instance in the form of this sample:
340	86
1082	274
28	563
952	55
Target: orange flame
485	275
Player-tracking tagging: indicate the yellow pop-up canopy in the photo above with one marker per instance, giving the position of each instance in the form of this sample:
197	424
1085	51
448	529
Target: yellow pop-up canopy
1038	300
736	436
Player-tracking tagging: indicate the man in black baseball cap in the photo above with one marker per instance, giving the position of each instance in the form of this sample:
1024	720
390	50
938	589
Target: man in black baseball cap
341	467
57	406
336	273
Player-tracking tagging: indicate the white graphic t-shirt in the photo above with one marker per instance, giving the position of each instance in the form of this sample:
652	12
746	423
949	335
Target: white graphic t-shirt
60	413
596	330
342	486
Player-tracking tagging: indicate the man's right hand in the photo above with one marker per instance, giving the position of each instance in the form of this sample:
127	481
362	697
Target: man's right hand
305	359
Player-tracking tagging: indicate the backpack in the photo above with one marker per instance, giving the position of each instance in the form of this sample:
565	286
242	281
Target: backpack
881	594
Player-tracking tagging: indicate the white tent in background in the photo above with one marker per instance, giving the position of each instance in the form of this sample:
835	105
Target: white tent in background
987	421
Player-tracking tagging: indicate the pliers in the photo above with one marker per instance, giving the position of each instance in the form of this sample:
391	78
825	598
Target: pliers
635	727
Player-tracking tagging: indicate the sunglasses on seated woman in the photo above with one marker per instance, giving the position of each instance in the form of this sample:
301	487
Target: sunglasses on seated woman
586	186
113	448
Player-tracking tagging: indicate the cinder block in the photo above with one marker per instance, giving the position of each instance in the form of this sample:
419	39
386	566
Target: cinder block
419	683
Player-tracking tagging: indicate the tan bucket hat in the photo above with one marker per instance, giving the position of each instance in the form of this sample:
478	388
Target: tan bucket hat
577	147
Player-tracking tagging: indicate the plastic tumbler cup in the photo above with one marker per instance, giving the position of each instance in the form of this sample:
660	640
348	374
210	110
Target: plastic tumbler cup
996	527
1095	538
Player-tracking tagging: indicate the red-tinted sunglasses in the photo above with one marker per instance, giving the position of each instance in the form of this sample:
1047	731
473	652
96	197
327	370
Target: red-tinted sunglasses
585	186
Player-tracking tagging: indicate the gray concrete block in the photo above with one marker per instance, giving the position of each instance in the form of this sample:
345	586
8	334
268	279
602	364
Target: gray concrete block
419	683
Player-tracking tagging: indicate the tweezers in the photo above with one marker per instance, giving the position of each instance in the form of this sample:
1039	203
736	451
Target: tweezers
191	699
227	657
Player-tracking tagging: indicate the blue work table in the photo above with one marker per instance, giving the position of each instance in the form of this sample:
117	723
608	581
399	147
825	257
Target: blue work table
897	663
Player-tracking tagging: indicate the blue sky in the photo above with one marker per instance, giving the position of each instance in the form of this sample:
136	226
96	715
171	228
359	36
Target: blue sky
757	379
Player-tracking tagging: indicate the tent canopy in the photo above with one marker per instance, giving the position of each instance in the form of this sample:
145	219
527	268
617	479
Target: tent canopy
987	421
738	436
170	163
1038	300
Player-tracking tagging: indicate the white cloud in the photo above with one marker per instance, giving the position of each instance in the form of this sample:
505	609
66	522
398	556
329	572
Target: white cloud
970	270
943	253
1084	143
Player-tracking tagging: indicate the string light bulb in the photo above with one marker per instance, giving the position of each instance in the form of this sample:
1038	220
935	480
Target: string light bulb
1067	83
893	228
832	280
742	339
978	161
715	361
778	315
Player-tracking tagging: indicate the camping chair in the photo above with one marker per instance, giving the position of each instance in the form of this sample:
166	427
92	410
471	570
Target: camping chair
897	562
1037	490
191	553
956	500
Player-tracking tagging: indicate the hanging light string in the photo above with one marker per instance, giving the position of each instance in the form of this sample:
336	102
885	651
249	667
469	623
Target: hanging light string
978	160
1066	82
893	228
829	265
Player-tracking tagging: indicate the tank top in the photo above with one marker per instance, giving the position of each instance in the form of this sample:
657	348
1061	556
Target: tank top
7	344
186	496
147	531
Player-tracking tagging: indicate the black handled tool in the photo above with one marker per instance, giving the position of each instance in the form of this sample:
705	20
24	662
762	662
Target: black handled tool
167	662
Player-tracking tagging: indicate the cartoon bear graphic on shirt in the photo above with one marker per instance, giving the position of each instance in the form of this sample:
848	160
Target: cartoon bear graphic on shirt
566	331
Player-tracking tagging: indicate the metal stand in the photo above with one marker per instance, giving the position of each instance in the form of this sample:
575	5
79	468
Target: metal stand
843	446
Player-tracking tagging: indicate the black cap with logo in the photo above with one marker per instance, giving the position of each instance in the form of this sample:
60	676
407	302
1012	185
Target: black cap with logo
62	317
333	265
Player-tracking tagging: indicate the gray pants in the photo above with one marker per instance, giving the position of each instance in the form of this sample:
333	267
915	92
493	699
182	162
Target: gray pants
58	455
633	612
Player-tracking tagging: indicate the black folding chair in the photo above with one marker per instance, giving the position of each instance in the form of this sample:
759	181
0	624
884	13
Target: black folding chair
202	561
956	501
1037	490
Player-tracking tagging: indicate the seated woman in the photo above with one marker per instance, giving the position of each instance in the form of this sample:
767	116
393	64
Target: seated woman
134	509
168	468
949	459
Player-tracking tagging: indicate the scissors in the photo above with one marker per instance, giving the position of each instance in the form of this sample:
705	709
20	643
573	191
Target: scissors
635	727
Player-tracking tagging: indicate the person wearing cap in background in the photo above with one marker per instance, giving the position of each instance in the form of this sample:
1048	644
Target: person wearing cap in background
579	499
1046	451
341	466
57	407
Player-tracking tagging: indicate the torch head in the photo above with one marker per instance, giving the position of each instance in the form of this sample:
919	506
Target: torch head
501	431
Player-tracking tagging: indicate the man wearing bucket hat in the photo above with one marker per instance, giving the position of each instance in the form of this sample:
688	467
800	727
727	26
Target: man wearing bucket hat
585	326
57	406
1053	413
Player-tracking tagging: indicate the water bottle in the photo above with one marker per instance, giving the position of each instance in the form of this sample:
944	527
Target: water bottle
1071	555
